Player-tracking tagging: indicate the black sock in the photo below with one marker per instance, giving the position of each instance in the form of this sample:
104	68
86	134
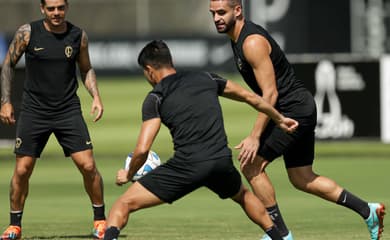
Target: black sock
350	201
274	233
98	212
16	218
277	218
112	233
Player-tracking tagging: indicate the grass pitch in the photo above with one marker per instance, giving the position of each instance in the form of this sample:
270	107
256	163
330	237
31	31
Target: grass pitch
58	207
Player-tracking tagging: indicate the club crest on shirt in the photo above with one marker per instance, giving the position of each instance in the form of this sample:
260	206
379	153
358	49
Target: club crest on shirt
18	142
68	51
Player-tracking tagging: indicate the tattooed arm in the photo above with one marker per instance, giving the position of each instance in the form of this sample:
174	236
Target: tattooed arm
89	77
15	51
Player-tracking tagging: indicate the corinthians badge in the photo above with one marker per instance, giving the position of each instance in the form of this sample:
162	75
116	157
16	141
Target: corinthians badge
18	142
68	51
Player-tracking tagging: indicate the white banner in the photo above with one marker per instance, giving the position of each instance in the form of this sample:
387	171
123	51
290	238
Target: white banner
385	98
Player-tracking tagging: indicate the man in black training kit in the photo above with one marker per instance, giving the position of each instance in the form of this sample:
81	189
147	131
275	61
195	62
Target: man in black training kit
264	67
52	48
187	103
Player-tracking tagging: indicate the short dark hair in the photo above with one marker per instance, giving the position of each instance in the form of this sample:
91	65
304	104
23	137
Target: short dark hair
232	3
43	2
156	54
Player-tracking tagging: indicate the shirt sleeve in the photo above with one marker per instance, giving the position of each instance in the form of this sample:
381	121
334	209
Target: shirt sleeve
151	107
221	82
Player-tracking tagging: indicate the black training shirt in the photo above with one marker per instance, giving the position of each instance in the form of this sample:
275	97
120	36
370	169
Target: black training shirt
188	104
51	82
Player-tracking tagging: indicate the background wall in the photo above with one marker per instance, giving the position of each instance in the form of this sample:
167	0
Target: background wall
119	17
358	26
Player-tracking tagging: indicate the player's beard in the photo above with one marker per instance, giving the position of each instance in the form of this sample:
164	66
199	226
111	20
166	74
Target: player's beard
228	26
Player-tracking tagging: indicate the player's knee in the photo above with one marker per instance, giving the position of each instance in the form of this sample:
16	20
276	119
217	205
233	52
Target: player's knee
89	168
23	171
239	197
303	183
302	178
129	205
251	173
298	185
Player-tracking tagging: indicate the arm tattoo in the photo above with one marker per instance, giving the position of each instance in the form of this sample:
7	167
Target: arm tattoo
15	51
7	75
19	43
87	73
90	82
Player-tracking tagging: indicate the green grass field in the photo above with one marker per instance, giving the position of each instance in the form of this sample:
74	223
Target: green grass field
58	208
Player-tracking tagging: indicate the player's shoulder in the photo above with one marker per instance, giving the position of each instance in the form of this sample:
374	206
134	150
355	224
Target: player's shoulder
23	35
72	25
25	28
191	74
199	75
74	29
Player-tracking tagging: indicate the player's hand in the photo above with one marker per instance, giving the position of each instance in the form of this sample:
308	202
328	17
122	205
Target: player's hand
288	125
97	108
248	150
7	114
121	177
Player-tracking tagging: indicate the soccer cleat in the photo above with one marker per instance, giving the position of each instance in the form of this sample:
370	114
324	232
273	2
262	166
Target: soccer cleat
287	237
375	220
12	233
99	227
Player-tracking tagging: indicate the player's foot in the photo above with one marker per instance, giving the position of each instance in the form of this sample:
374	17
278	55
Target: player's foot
287	237
12	233
99	227
375	220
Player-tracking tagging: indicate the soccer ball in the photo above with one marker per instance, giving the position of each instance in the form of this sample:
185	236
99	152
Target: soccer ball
151	163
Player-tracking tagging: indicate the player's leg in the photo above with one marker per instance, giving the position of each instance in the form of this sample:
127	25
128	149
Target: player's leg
264	190
304	179
72	134
225	180
135	198
259	181
20	181
31	136
93	181
256	211
93	184
18	193
273	143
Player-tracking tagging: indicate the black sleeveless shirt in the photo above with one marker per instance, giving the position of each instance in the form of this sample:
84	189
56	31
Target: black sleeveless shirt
286	82
51	81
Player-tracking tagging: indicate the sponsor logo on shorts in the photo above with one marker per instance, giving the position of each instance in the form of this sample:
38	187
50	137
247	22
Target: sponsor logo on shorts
88	142
18	142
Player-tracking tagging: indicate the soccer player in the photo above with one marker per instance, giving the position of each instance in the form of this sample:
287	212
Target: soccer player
52	48
187	103
264	67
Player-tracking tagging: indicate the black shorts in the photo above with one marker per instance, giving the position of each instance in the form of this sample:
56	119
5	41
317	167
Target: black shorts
176	178
34	130
297	148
